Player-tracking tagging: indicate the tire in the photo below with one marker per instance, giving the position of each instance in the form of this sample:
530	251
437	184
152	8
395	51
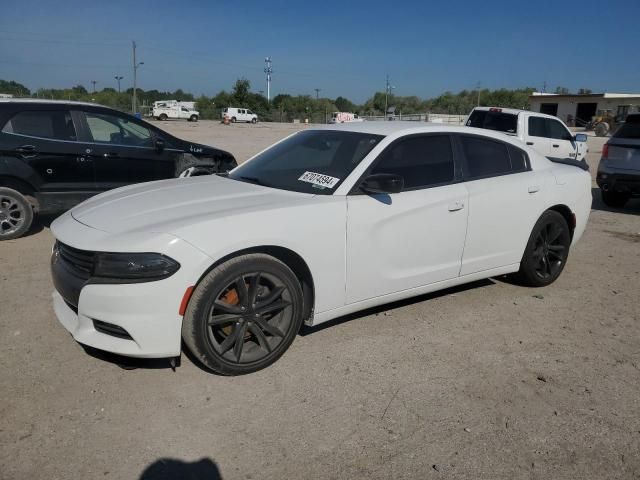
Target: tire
163	117
546	252
16	214
233	119
601	129
615	199
266	326
193	118
254	120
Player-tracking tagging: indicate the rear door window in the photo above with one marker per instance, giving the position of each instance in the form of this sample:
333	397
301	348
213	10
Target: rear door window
485	157
54	124
538	127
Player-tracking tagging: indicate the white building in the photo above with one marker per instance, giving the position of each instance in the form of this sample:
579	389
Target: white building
577	109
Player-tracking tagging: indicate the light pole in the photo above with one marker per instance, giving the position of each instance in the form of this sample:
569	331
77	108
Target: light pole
118	78
135	77
387	91
478	87
317	92
94	85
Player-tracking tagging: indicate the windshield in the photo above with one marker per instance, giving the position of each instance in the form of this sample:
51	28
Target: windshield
629	129
313	161
502	122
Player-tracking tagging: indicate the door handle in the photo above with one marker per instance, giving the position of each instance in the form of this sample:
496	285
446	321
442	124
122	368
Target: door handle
555	145
455	206
529	143
26	149
110	155
534	189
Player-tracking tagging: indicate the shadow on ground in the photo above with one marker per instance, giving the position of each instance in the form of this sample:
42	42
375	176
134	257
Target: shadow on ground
631	208
173	469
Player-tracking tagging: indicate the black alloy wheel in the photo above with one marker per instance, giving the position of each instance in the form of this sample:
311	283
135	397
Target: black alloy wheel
244	314
547	250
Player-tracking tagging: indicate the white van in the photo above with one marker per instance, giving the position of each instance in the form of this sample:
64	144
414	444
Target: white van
239	115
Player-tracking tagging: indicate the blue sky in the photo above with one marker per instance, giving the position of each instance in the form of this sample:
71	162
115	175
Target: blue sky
342	47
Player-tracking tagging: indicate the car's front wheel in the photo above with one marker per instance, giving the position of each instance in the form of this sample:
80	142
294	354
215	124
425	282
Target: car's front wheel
16	214
546	252
244	314
615	199
193	118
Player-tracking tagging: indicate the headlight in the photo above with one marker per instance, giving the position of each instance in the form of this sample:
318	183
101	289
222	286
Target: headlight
133	267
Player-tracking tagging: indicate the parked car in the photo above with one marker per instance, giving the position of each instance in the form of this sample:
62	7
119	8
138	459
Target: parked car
53	155
546	134
619	168
165	112
327	222
239	115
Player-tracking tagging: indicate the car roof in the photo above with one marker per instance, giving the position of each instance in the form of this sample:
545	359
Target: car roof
47	102
397	127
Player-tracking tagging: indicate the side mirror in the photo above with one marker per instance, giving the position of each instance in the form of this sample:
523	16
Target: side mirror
580	137
159	144
383	183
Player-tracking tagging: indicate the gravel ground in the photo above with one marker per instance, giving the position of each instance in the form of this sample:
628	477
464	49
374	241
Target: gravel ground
491	380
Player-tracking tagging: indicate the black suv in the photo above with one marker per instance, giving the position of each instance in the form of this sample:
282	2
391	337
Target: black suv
53	155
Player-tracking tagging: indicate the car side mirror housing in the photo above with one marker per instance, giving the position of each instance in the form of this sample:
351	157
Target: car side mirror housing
580	137
383	183
159	144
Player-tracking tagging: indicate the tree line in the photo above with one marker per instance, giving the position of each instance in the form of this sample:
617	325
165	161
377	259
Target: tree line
285	107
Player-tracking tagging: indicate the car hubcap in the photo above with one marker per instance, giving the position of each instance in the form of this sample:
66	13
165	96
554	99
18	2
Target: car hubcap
12	215
550	250
250	317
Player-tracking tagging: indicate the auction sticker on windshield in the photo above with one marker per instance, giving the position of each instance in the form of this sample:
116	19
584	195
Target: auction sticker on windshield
319	179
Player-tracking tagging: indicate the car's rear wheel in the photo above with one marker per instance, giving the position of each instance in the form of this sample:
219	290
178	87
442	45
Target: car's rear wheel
163	117
16	214
615	199
546	252
233	119
243	315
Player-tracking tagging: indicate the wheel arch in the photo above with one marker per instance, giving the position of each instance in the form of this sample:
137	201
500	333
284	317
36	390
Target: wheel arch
291	259
567	214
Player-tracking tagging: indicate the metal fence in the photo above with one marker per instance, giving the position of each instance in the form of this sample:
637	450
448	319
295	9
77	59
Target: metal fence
420	117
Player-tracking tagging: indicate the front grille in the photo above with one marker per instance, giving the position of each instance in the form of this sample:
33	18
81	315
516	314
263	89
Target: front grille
80	261
111	329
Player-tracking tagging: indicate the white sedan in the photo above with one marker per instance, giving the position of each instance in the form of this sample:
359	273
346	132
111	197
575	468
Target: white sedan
326	222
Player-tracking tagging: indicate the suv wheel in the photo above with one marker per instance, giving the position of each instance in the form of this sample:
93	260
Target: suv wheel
16	214
614	199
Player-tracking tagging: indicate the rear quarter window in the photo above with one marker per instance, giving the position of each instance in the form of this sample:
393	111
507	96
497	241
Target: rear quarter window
490	158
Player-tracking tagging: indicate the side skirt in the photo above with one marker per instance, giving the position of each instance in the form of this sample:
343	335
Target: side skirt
322	317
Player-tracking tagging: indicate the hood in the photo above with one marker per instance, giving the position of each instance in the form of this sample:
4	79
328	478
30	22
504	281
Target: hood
166	205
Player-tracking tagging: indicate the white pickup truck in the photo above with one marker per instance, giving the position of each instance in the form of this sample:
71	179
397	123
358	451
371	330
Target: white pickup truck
546	134
165	112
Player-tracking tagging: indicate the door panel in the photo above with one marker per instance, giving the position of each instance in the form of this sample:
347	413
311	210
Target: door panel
502	212
405	240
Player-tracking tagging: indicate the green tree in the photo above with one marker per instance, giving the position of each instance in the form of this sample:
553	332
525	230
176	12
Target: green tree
241	91
344	105
14	88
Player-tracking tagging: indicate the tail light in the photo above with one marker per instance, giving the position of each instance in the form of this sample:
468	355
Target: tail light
605	151
497	110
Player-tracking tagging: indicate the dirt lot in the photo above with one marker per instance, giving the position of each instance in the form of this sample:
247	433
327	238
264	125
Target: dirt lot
487	381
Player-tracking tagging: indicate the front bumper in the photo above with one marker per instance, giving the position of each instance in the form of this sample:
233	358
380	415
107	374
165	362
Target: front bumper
97	314
623	181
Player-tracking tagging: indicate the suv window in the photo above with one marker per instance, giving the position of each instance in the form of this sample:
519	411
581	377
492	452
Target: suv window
502	122
55	124
422	161
630	128
117	131
485	157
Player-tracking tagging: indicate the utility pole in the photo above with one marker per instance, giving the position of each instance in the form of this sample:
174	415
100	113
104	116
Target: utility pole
94	85
387	90
135	77
478	88
317	92
268	70
544	87
118	78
